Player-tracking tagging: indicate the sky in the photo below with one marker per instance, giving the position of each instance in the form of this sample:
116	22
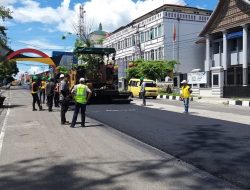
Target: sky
40	24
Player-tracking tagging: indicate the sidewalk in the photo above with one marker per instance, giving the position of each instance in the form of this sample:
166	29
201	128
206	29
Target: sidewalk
39	153
214	100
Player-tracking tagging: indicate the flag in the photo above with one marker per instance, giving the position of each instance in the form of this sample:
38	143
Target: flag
174	33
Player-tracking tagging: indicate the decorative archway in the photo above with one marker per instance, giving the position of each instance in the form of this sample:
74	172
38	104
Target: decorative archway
43	59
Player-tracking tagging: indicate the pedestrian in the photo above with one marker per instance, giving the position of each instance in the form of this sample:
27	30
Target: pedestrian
34	93
81	94
143	91
50	86
185	95
64	97
42	90
56	94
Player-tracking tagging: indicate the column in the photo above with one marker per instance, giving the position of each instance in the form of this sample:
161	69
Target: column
244	64
225	56
207	61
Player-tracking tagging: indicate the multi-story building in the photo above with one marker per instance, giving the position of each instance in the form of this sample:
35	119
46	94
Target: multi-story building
166	33
227	60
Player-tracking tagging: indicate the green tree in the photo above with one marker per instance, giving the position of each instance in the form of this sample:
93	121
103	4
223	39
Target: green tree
4	14
150	69
8	69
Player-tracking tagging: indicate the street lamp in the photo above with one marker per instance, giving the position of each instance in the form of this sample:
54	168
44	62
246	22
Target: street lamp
138	40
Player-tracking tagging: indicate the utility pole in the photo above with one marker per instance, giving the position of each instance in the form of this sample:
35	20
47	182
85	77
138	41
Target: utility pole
81	27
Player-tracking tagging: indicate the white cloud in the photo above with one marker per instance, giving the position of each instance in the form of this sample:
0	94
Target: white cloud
7	2
111	13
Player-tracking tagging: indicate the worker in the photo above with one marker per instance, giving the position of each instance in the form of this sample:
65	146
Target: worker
50	87
34	93
56	93
143	91
185	95
64	97
81	94
42	90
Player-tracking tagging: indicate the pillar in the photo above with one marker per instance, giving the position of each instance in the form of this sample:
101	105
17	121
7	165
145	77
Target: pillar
244	52
225	56
208	60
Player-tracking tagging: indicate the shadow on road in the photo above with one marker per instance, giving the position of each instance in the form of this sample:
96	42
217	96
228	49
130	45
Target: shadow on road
223	150
34	174
13	106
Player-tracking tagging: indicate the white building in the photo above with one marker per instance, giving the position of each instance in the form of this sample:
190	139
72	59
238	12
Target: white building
151	37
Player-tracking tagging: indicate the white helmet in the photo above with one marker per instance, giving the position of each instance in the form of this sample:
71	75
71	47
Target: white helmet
82	80
61	75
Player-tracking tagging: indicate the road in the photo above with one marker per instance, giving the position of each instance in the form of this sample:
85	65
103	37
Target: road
217	146
123	147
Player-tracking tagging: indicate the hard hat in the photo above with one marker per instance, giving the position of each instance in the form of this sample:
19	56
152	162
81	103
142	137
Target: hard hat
82	80
184	82
61	75
44	78
34	78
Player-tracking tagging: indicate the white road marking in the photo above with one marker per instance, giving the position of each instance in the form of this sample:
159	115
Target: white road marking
4	128
120	110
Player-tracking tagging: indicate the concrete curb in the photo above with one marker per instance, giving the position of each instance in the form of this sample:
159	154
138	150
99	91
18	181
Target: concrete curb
239	103
230	102
172	97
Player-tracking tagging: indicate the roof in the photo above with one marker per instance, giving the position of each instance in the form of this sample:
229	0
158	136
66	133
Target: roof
217	12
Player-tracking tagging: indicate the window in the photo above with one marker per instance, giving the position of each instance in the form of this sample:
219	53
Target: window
151	33
215	80
152	54
156	33
234	45
160	31
142	37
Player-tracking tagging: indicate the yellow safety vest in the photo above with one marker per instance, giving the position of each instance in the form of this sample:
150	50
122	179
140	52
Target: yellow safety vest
43	85
81	94
33	91
185	91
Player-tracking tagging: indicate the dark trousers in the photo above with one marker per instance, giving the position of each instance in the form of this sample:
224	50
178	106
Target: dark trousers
36	100
42	94
64	109
143	94
56	99
50	101
79	106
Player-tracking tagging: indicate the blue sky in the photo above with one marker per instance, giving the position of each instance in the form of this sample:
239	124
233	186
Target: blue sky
40	24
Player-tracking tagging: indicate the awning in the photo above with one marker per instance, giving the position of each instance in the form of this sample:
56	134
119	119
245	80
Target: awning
234	35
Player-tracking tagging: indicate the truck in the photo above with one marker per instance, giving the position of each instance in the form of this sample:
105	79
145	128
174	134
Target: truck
100	75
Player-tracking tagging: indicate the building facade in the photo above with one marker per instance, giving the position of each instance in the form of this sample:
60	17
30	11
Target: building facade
166	33
227	61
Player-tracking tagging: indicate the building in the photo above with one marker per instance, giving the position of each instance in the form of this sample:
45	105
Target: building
166	33
96	37
227	49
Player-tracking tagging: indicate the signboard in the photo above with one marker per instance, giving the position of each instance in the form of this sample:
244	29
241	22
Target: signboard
197	78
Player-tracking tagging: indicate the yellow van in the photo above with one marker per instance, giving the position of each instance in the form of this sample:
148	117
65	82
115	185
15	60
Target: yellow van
151	88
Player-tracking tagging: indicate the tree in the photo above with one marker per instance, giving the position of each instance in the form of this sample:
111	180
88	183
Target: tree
4	14
8	69
150	69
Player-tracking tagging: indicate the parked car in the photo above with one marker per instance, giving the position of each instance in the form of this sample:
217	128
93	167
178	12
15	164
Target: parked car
134	87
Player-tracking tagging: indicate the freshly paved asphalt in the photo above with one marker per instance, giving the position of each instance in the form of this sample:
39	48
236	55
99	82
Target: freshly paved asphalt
216	146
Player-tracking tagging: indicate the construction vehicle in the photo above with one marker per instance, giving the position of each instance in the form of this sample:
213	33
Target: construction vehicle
100	75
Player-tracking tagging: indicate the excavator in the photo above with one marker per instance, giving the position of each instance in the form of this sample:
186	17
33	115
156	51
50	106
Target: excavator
100	75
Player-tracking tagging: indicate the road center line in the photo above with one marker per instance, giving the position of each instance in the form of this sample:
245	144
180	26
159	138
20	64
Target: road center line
4	128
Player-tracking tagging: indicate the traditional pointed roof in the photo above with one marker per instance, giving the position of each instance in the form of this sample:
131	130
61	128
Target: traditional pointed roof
228	14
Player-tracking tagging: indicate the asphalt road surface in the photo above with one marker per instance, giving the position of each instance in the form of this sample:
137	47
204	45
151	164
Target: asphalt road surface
218	147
